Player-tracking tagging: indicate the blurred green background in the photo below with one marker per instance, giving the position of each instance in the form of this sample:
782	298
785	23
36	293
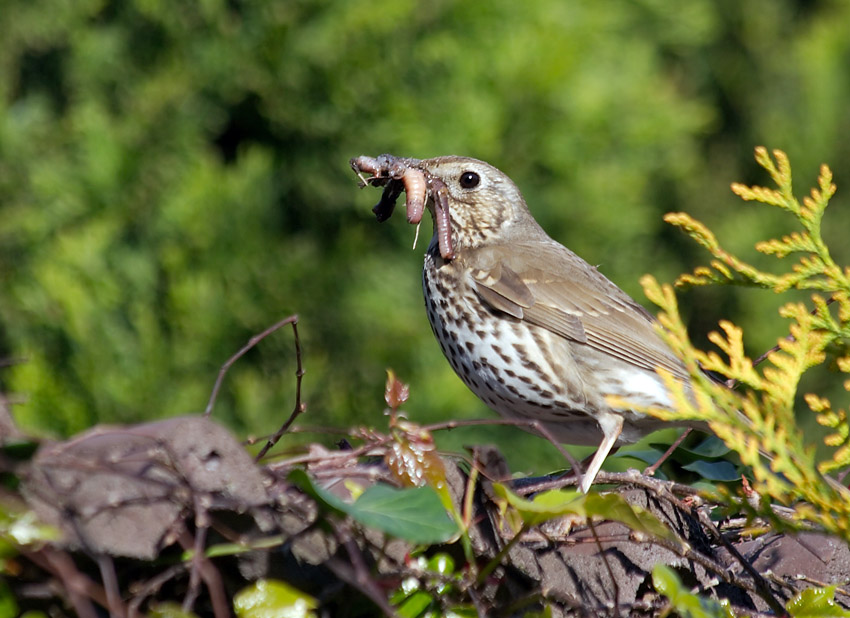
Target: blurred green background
174	178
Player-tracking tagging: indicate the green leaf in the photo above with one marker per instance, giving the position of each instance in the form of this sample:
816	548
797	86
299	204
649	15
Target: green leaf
615	508
414	514
170	610
816	602
8	605
545	506
714	470
711	447
22	527
415	604
666	581
648	456
441	563
325	498
682	600
268	598
559	502
408	587
232	549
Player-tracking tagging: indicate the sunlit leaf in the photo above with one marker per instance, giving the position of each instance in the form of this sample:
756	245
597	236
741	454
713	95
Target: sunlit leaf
22	527
615	508
683	601
269	598
441	563
415	604
560	502
545	505
816	603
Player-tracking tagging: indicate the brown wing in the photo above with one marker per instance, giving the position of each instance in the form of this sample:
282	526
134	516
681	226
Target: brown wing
548	285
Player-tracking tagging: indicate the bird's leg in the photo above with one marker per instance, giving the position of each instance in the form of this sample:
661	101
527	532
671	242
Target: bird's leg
611	425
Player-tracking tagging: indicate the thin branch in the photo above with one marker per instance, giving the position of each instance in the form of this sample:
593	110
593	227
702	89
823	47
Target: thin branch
209	573
300	407
497	560
651	470
356	573
80	589
607	564
152	586
760	583
110	585
293	319
534	425
197	562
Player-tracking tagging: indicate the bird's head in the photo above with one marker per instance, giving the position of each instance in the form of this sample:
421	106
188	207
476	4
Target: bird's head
482	201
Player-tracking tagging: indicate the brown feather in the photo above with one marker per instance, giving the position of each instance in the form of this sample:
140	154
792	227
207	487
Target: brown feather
564	294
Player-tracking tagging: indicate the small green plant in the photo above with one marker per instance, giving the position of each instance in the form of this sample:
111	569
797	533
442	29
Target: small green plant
757	418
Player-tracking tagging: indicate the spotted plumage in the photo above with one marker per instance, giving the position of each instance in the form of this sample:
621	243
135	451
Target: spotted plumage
532	329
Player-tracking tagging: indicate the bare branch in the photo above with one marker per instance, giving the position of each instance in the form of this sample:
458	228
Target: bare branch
293	319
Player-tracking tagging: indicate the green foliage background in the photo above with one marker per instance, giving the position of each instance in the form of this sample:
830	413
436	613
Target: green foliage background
174	178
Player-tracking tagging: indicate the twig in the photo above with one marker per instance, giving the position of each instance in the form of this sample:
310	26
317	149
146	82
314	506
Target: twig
664	489
357	573
650	471
152	586
209	573
606	563
534	425
497	560
476	602
761	585
815	582
201	529
81	590
300	407
667	489
721	571
380	440
293	319
110	585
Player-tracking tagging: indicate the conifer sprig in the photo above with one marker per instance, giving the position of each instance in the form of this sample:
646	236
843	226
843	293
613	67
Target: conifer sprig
758	418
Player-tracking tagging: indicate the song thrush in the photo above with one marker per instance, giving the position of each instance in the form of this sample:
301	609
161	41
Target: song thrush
535	331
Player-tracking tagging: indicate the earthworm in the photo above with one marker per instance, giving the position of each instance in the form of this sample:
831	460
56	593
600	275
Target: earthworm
416	188
440	193
397	174
366	164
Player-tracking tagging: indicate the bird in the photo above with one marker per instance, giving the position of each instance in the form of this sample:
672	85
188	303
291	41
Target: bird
535	331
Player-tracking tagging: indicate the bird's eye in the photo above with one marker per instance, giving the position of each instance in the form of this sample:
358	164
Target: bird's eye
469	180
